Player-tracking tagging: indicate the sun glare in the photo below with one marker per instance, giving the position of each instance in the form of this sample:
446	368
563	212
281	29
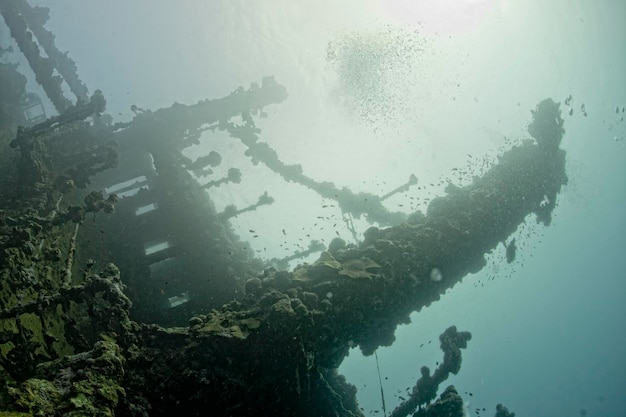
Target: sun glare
438	16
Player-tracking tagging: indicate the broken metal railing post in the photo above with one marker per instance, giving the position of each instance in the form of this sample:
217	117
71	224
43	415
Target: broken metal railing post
404	187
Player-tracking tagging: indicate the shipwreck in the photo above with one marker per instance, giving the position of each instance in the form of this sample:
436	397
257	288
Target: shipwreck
95	215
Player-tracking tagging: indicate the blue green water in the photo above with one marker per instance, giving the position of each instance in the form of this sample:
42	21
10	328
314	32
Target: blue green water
380	90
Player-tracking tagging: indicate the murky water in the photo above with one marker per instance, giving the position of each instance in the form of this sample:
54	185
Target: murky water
379	91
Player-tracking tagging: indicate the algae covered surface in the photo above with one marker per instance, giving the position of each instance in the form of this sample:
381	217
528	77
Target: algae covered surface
229	229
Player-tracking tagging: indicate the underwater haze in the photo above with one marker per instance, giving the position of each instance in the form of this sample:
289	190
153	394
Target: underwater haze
382	90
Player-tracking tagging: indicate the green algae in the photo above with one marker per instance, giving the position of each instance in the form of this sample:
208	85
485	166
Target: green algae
224	326
56	330
31	323
8	325
282	307
5	348
251	323
38	396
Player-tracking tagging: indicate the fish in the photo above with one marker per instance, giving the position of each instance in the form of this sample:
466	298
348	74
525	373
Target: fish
568	100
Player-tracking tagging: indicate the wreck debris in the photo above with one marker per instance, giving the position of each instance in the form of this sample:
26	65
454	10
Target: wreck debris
311	337
43	67
72	348
356	204
425	390
405	187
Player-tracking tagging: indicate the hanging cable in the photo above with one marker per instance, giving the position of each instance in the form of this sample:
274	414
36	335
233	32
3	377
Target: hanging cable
380	381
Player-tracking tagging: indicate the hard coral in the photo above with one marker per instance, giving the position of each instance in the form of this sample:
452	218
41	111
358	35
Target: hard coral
547	124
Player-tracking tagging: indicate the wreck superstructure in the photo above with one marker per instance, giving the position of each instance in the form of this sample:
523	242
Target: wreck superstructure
108	241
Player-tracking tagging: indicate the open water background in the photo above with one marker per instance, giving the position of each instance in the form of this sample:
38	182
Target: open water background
380	90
